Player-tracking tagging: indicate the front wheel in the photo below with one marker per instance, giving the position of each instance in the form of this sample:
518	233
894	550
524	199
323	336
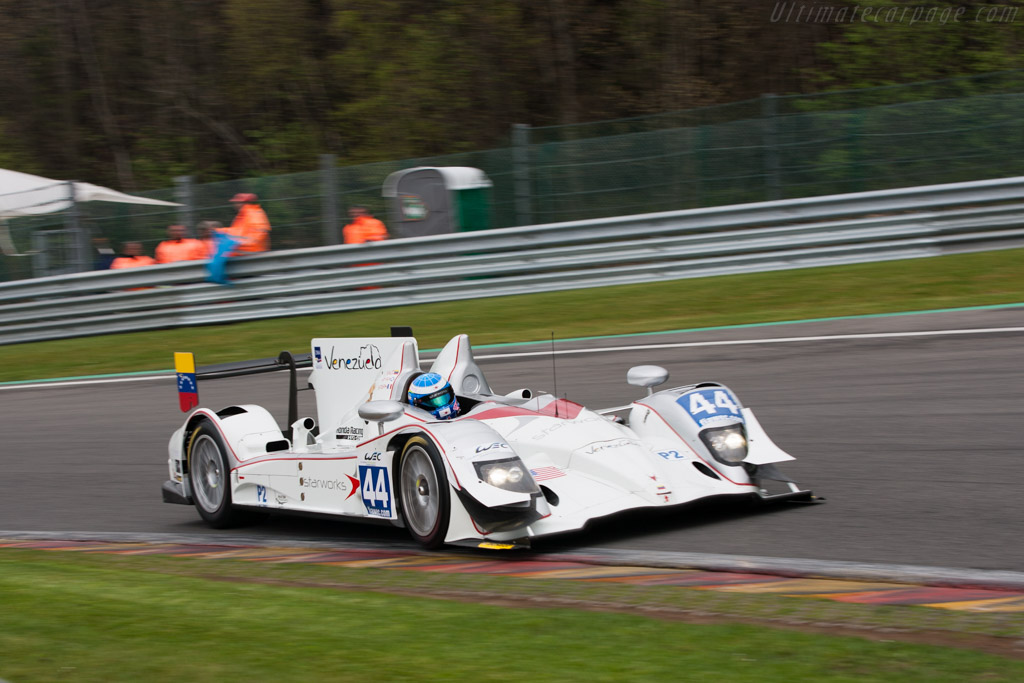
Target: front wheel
209	476
423	485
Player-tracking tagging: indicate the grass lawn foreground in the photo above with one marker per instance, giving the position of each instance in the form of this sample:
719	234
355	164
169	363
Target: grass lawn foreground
69	616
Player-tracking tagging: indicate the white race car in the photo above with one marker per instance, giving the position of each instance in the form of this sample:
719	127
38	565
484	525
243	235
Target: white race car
509	468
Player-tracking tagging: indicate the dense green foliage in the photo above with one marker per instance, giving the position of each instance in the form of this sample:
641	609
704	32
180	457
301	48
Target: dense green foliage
131	94
924	41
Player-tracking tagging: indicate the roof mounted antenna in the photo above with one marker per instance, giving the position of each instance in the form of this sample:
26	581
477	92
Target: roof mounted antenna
554	375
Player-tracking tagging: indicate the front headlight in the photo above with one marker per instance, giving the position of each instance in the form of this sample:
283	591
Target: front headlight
727	444
509	474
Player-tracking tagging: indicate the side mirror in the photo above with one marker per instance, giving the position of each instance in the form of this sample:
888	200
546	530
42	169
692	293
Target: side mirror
647	376
520	393
381	412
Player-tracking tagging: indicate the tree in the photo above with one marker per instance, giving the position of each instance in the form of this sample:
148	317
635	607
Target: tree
920	43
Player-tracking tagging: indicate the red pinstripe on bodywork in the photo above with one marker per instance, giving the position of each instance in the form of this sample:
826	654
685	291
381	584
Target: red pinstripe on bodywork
311	456
423	428
455	364
715	469
565	409
216	423
401	364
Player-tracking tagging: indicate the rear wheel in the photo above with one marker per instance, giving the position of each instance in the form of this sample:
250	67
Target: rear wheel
423	485
209	476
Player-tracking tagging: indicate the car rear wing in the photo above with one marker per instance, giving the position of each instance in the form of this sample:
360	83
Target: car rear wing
189	375
284	361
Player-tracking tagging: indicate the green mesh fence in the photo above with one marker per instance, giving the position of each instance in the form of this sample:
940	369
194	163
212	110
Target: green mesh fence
292	202
757	150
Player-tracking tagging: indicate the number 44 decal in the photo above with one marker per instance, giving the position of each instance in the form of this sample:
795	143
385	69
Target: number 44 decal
376	490
700	402
708	403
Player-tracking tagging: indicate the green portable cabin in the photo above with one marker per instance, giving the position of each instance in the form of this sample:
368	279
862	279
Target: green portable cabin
435	200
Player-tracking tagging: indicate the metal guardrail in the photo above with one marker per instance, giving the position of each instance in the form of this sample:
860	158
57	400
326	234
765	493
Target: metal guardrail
795	233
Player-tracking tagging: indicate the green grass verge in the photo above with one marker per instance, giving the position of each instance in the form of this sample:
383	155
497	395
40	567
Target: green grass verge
983	278
110	618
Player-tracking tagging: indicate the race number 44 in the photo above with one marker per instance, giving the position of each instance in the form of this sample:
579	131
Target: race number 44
706	406
376	490
709	403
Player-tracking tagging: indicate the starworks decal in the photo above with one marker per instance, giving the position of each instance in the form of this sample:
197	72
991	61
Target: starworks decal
328	484
368	359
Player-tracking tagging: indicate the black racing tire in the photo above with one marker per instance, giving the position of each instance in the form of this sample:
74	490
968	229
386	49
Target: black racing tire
209	475
423	492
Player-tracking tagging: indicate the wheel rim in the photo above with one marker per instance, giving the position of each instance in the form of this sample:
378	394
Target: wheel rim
208	473
420	496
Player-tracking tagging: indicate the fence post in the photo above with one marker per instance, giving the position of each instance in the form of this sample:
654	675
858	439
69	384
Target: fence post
80	236
854	135
183	195
329	199
521	172
40	257
769	112
700	185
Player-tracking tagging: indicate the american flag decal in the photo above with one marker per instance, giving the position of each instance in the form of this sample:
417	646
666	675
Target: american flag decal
545	473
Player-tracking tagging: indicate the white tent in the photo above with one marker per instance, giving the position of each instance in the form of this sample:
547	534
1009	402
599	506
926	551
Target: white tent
22	194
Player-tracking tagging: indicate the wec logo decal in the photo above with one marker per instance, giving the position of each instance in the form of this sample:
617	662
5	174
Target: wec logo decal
368	359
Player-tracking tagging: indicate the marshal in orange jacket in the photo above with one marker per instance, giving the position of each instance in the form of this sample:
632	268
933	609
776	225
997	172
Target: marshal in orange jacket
253	227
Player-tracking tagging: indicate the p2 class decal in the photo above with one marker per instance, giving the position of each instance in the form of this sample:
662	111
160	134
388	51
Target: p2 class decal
710	406
376	490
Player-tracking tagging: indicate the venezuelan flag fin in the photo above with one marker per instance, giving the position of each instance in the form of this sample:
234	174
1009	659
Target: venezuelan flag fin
188	390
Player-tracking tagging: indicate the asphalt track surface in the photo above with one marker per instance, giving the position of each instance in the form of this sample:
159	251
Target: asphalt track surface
912	438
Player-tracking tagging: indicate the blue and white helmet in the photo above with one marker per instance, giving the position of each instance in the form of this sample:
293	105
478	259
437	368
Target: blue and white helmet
433	393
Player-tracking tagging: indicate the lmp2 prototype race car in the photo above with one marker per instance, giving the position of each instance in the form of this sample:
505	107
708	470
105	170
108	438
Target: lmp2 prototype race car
506	469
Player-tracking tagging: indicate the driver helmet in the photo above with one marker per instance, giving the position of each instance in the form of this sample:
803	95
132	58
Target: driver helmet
433	393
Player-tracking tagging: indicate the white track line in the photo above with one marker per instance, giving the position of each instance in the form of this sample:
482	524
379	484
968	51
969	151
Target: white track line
769	340
85	382
601	349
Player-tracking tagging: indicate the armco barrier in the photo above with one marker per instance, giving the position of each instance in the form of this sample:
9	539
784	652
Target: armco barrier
795	233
